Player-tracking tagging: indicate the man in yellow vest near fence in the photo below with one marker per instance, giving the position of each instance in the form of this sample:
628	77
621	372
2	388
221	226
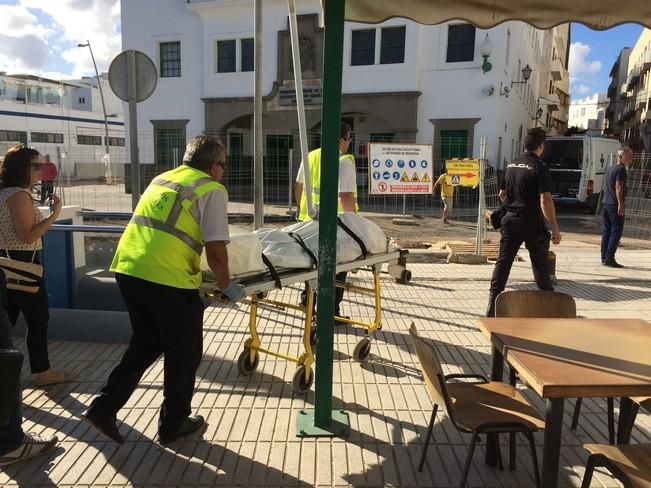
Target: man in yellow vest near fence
347	194
447	196
157	268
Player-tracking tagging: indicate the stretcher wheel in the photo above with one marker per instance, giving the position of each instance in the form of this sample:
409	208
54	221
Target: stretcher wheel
313	336
244	365
298	382
405	277
362	350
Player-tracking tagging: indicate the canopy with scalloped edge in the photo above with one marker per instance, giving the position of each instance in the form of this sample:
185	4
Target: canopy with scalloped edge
596	14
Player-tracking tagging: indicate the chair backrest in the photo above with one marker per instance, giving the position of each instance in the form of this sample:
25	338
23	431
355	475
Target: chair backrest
535	303
431	368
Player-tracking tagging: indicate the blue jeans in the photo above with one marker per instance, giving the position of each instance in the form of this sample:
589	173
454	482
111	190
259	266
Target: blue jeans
612	233
11	435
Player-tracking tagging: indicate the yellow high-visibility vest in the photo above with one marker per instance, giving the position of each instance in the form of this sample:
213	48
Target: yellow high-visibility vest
314	160
163	241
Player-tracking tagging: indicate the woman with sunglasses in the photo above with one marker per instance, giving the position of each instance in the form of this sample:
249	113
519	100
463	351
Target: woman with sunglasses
21	229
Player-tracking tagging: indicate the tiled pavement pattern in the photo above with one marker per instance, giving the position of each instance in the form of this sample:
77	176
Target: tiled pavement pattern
250	439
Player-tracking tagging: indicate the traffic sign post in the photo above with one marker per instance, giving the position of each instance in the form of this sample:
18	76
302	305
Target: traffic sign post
133	78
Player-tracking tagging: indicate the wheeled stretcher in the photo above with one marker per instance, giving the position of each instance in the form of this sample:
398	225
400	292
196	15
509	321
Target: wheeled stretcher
257	288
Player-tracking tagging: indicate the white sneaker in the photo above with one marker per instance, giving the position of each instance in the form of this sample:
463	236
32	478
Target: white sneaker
33	445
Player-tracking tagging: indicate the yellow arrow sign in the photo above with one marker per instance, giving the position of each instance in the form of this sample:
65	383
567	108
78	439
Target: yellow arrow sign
462	172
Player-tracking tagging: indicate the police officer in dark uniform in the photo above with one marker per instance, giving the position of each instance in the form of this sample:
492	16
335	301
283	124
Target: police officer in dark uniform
526	196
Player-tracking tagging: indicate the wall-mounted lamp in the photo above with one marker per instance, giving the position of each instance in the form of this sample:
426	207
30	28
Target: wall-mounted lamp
485	50
526	74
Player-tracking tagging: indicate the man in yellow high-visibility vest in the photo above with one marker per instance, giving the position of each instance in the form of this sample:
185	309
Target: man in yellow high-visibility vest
157	268
347	193
447	196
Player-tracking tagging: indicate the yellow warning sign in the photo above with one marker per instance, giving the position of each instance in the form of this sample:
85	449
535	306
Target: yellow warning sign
415	178
426	178
462	172
404	178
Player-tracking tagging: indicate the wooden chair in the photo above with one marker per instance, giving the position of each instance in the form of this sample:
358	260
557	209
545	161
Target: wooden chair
477	407
534	304
626	426
546	304
630	464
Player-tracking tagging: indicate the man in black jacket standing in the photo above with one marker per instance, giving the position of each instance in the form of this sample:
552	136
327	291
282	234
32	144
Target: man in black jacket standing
525	193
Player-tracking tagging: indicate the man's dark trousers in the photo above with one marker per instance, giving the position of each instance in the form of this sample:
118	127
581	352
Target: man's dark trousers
165	320
516	230
612	233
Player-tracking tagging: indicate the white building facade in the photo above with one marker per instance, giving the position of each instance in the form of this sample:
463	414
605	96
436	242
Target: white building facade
636	111
589	113
64	119
401	82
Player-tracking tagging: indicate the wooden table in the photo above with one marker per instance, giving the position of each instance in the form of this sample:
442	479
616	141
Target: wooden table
571	358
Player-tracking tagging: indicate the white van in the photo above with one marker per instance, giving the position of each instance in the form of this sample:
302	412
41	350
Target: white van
577	165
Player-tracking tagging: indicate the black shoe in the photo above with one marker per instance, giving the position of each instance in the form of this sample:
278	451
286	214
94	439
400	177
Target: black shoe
106	425
188	426
611	263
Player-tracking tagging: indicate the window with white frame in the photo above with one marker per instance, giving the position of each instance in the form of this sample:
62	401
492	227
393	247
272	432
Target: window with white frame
170	59
392	45
461	43
246	54
362	51
226	59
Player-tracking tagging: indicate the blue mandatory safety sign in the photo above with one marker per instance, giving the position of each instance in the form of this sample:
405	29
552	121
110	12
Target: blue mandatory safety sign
386	175
388	163
401	163
376	163
423	164
396	175
412	163
376	175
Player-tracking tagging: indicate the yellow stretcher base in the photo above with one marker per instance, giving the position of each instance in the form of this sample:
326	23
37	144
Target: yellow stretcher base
304	376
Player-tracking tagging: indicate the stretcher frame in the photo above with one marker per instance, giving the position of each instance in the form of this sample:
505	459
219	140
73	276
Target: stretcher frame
257	291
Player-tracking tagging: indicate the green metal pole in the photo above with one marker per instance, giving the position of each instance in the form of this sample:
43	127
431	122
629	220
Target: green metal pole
330	122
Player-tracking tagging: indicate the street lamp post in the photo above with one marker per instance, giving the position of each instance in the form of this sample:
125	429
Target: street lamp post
107	156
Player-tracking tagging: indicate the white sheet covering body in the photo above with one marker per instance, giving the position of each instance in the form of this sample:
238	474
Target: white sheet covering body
284	252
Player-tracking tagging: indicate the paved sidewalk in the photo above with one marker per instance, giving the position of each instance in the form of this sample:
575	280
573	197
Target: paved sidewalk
250	439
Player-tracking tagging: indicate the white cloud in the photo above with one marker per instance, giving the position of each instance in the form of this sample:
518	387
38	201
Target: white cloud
583	89
30	47
579	64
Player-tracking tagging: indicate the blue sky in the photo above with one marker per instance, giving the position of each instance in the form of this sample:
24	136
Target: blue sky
41	36
592	55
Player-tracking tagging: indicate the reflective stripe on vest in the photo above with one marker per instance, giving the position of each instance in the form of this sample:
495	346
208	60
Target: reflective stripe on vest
167	228
183	193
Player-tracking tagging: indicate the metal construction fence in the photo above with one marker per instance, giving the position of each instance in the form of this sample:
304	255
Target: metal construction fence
638	198
86	178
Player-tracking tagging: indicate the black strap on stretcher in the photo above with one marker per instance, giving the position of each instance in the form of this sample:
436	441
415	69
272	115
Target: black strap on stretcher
359	242
272	270
299	240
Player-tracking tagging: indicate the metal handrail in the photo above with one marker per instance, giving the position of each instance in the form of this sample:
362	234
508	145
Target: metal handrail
109	229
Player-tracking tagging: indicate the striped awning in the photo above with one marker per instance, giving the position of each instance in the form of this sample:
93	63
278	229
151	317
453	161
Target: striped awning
596	14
